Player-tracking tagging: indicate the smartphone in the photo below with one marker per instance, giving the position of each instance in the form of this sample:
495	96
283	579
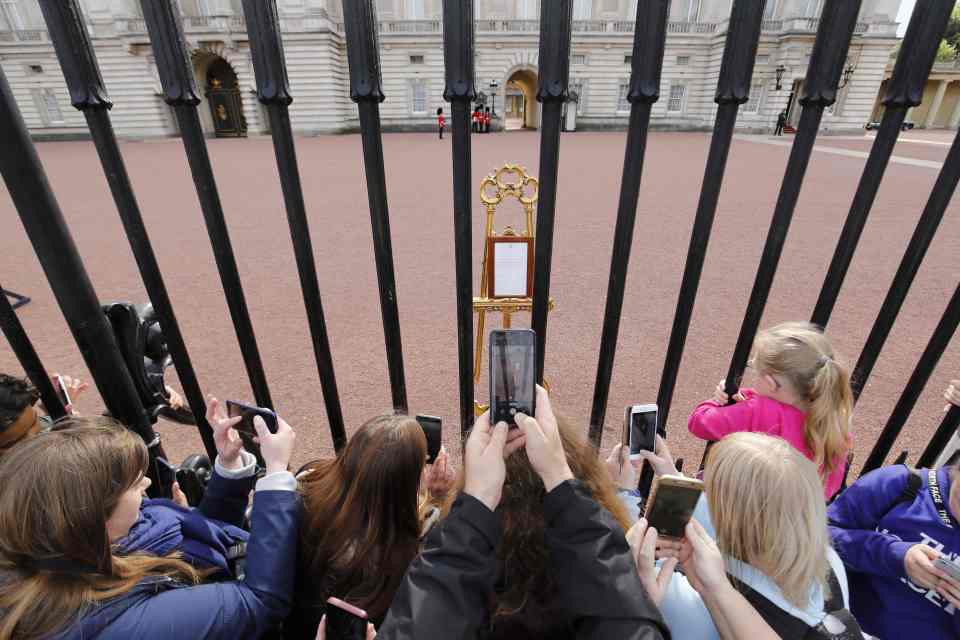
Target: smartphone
671	504
62	390
640	430
432	428
949	567
512	374
248	413
345	621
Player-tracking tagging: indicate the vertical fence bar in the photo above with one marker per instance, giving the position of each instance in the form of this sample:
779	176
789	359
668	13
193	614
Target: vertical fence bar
923	235
29	360
552	92
45	226
458	52
273	90
733	90
650	37
905	90
180	92
363	58
829	55
949	426
918	379
71	41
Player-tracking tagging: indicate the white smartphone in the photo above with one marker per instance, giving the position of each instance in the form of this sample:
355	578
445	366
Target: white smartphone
641	429
949	567
62	391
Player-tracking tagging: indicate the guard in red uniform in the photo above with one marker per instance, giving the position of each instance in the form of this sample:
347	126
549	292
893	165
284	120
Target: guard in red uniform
486	120
476	120
441	121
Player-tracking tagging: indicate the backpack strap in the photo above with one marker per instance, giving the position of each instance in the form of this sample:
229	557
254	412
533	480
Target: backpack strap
911	489
786	625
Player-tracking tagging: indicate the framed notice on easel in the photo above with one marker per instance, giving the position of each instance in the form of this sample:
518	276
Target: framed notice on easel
510	266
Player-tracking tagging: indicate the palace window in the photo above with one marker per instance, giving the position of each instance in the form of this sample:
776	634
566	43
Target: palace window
677	94
419	88
756	97
622	103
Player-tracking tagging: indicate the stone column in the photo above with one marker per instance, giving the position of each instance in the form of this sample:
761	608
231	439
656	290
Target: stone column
935	105
955	117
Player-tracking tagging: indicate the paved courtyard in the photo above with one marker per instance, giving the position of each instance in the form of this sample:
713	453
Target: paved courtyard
419	183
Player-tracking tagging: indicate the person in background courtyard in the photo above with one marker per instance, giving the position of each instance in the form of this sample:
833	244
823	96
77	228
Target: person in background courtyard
802	394
486	120
441	121
781	122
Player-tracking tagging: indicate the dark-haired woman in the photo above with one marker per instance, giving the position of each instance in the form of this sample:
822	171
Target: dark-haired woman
363	523
69	496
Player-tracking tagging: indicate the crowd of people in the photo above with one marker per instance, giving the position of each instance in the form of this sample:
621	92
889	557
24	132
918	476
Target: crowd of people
534	537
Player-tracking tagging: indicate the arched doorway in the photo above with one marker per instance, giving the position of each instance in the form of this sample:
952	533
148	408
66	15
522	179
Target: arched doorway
521	109
222	110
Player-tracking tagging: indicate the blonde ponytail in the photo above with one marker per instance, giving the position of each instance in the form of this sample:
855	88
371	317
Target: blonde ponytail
801	353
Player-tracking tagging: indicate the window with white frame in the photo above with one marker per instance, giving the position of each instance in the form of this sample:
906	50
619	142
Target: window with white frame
11	14
578	58
675	102
416	59
686	11
580	87
48	106
622	103
582	9
770	9
683	61
813	8
527	10
418	92
763	59
756	97
415	9
628	59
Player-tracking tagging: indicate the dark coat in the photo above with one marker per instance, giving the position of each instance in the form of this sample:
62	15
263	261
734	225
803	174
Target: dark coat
449	587
161	609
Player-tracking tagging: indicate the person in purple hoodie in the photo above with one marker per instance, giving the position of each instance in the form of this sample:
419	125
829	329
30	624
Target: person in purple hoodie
889	528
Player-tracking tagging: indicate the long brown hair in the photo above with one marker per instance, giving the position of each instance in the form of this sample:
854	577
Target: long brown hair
361	527
801	353
57	491
525	572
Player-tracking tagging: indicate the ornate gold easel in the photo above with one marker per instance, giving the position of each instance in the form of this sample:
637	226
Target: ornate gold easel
509	181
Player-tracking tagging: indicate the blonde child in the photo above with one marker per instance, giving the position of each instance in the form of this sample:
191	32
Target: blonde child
802	394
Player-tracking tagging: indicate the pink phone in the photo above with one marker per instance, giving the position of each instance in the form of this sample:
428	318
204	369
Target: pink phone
345	621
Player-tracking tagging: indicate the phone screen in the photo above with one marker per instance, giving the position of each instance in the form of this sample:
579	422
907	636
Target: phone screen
433	429
512	372
643	432
671	508
344	621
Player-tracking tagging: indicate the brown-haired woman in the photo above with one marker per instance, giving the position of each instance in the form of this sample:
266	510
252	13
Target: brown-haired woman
527	603
363	522
67	496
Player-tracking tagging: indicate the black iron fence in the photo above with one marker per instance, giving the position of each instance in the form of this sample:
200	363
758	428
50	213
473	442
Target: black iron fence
50	235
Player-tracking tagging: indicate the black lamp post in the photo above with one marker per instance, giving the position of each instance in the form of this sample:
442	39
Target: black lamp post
493	97
780	70
847	72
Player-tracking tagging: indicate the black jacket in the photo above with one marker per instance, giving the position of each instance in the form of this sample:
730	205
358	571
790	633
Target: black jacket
449	587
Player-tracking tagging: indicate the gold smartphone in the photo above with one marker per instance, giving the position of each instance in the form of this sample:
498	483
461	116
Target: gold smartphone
671	504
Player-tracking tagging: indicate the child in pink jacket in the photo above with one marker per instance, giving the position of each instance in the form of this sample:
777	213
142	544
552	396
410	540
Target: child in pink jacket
802	394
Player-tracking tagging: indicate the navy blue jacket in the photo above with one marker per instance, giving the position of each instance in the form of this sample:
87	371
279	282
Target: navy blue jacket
159	609
873	526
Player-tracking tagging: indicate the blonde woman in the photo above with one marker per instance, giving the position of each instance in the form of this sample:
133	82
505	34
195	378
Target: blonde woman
764	506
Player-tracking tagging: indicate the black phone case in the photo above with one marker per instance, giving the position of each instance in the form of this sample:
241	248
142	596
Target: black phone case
501	412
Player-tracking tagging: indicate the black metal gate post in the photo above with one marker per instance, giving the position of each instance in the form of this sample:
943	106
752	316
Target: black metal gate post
363	57
649	40
948	427
180	92
923	235
71	41
43	221
554	77
273	90
29	360
918	379
905	89
829	55
733	89
458	51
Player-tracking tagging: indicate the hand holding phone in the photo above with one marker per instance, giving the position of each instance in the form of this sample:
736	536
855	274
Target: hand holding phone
344	621
671	504
512	375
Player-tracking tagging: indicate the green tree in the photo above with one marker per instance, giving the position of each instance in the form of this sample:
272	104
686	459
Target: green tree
952	34
946	52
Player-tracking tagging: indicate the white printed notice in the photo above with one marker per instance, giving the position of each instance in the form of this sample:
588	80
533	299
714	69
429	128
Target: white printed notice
510	269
